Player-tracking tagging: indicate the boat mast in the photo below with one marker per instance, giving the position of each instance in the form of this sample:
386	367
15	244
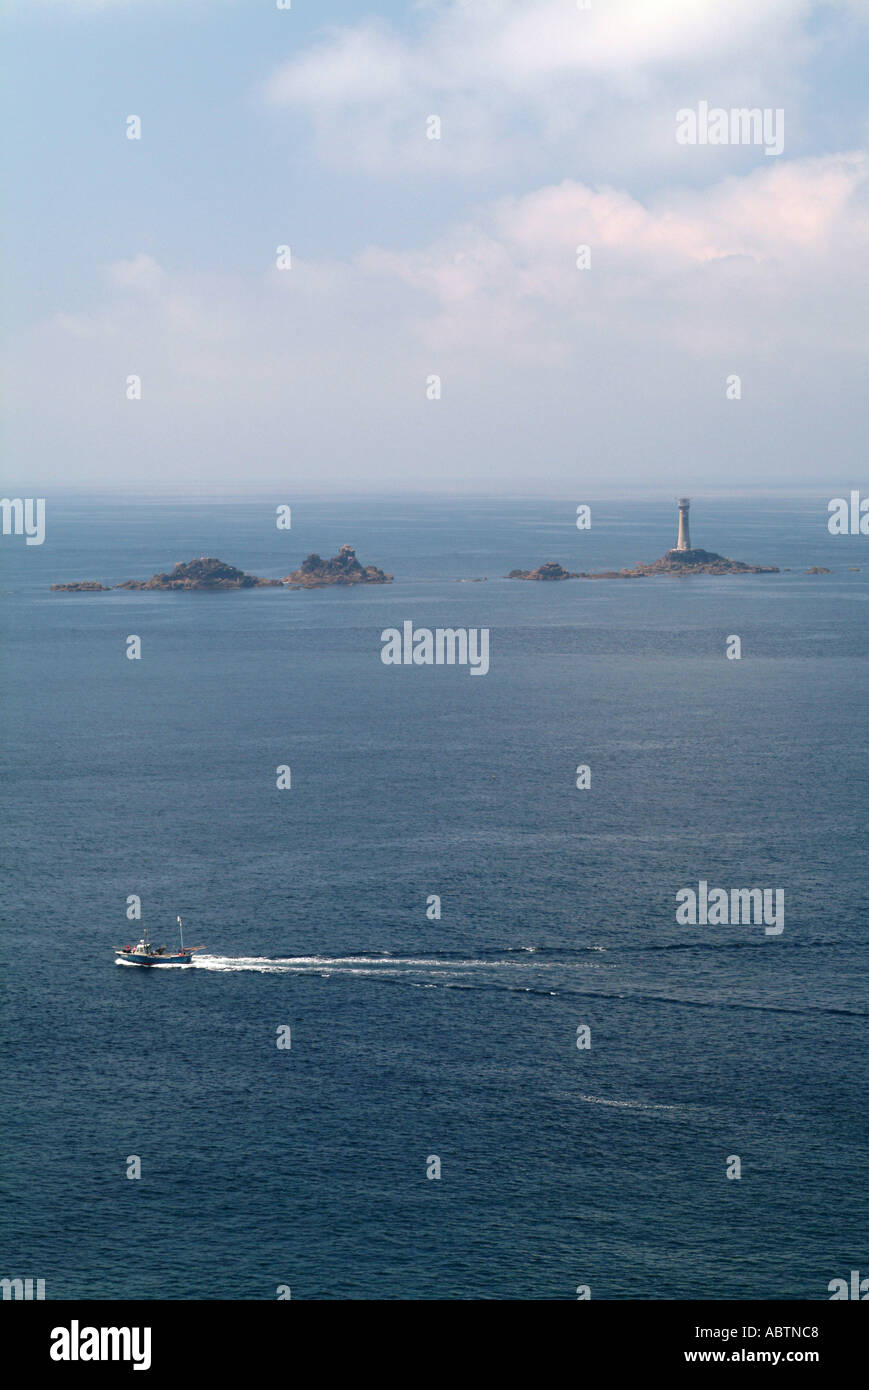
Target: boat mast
181	929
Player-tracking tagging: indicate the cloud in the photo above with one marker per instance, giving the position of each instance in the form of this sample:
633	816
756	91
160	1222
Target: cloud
354	67
141	273
513	78
674	261
525	43
78	6
547	370
86	7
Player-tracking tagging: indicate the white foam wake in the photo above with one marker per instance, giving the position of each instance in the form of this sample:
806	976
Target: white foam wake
350	964
625	1104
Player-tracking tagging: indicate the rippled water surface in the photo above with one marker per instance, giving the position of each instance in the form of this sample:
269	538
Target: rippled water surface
454	1037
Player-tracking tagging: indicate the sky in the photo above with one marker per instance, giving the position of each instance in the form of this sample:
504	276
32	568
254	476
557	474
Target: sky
434	331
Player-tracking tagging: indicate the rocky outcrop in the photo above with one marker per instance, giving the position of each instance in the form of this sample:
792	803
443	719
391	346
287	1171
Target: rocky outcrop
344	568
674	562
204	573
817	569
85	586
211	574
698	562
551	570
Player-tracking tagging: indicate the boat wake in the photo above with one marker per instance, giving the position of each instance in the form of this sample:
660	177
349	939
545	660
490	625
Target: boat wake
515	969
626	1104
355	964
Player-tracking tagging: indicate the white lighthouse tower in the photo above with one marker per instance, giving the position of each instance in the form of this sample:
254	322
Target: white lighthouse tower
684	539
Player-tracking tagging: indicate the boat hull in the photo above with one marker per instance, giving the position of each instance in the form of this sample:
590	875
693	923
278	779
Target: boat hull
132	958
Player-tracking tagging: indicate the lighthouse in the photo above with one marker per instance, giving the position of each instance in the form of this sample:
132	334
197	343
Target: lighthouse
684	540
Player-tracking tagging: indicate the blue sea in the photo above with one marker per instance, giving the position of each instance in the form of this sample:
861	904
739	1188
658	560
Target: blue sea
415	1038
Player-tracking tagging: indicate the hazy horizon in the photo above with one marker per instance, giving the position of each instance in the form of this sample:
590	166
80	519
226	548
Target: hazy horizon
266	491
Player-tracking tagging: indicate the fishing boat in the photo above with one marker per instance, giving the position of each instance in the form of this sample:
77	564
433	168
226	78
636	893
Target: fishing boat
146	953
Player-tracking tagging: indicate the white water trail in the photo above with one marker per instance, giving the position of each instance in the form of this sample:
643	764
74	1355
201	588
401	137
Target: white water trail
349	964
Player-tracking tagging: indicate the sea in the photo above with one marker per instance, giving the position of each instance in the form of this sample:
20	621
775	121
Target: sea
446	1038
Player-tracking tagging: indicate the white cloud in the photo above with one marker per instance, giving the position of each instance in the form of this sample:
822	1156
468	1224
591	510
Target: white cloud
526	43
78	5
100	6
141	273
510	78
353	67
318	373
